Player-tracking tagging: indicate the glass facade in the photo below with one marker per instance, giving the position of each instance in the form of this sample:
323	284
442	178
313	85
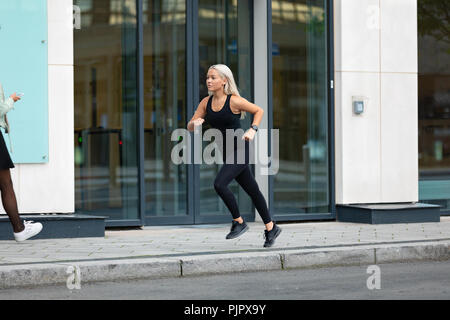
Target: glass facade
434	102
165	106
300	106
106	110
130	96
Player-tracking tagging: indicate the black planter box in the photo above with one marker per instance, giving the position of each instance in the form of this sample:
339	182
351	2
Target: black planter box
388	213
58	226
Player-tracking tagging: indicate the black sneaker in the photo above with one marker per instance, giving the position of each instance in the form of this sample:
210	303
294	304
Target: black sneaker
237	229
271	235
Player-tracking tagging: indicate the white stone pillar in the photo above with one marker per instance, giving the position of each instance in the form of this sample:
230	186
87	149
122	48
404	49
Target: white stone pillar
376	57
49	187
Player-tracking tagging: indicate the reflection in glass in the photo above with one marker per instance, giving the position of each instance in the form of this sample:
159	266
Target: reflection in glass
106	181
224	37
299	64
434	102
164	105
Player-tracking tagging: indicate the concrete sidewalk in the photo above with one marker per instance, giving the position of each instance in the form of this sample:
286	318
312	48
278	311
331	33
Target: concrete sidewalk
156	252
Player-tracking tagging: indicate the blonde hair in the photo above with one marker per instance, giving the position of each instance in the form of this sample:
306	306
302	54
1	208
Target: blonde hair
230	86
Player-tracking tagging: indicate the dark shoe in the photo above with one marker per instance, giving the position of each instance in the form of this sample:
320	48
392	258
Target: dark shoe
237	229
271	235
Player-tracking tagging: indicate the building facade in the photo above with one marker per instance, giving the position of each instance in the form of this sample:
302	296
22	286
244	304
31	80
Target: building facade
357	89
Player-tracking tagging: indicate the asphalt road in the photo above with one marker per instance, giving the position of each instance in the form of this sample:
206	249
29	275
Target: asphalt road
423	280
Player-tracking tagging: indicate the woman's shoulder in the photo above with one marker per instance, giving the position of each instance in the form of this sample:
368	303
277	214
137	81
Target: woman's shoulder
204	102
236	100
235	103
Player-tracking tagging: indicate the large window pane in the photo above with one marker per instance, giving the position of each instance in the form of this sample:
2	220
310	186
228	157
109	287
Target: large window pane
299	58
224	37
106	172
434	102
164	105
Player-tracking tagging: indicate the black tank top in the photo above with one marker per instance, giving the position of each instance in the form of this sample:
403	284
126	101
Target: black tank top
224	118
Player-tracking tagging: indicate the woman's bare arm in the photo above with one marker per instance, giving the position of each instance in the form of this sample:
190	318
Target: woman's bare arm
243	104
200	113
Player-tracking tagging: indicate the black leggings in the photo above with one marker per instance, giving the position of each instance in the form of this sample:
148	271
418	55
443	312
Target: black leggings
242	174
9	200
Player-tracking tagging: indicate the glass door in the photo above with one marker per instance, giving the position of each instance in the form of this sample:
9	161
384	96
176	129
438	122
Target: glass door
125	115
301	188
165	109
224	36
106	111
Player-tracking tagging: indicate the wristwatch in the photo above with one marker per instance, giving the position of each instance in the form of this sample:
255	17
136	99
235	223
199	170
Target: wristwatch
254	127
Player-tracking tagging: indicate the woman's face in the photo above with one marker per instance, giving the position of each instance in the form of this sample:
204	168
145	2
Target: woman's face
213	80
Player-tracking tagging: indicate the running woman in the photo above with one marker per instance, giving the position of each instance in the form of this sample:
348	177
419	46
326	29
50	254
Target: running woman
222	109
22	230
